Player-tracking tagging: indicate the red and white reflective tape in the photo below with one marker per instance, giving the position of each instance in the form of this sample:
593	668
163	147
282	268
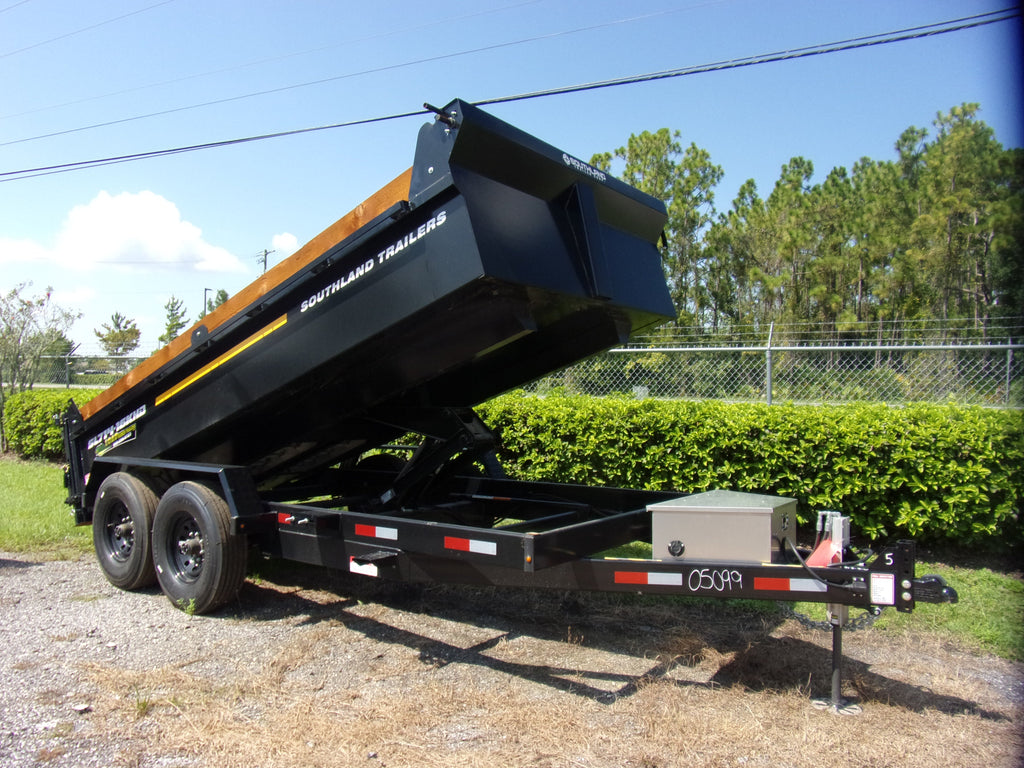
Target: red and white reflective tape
649	578
471	545
775	584
377	531
363	569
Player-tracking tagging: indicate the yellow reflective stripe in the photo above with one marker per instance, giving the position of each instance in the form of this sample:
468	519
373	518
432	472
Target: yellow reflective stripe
231	353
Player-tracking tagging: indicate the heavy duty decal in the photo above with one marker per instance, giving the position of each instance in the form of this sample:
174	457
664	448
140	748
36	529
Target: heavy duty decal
116	433
367	266
118	438
584	168
231	353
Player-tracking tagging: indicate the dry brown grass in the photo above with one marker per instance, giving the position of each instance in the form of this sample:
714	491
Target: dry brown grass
472	678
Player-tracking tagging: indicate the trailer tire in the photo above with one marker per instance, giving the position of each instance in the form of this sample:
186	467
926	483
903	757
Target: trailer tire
199	563
121	523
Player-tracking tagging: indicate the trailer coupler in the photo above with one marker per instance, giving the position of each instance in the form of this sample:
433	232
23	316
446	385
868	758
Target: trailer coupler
934	589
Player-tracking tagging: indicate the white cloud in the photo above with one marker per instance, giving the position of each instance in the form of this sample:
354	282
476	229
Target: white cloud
126	252
20	251
285	243
135	230
74	297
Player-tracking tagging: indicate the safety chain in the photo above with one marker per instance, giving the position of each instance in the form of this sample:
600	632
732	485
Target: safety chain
863	621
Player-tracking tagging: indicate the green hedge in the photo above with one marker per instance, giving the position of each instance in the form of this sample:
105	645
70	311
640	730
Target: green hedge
941	474
29	424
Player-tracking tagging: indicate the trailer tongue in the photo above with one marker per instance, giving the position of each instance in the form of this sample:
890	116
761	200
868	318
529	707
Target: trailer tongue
494	260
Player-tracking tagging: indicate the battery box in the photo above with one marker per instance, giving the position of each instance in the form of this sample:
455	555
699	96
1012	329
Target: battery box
722	525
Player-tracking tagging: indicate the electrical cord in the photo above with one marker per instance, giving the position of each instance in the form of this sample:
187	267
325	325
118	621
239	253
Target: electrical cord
815	576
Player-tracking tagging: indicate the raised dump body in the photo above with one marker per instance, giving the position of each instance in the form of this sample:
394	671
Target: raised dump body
494	260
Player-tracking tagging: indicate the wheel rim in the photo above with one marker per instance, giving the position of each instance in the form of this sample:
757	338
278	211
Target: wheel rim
186	548
120	534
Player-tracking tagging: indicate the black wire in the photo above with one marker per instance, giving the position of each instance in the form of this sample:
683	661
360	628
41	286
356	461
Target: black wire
814	575
257	62
83	29
335	78
913	33
83	164
14	5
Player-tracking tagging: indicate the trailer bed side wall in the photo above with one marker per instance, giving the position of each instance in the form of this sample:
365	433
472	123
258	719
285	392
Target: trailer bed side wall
394	192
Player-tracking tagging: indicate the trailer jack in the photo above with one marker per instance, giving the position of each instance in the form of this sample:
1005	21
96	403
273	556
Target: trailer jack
931	588
838	616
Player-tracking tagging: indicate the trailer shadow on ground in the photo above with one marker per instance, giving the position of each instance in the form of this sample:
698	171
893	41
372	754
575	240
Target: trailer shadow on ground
6	563
683	641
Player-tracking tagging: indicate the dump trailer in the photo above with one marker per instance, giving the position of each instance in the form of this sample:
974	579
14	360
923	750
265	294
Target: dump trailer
324	414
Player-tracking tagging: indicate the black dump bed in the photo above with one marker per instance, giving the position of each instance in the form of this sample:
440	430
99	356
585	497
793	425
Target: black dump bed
507	259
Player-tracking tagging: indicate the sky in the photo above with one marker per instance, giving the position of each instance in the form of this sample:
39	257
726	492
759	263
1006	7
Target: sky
86	81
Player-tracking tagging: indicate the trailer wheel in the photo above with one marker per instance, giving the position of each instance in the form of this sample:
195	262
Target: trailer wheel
200	565
121	522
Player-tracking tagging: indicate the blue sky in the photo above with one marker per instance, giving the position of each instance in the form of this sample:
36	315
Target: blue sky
125	237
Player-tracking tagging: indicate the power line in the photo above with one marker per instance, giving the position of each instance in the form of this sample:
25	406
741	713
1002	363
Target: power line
346	76
80	165
269	60
14	5
83	29
913	33
898	36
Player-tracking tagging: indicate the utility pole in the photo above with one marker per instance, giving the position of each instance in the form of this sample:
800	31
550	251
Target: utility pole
263	257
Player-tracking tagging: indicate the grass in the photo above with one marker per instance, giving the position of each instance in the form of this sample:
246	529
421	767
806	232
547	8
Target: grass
33	515
34	518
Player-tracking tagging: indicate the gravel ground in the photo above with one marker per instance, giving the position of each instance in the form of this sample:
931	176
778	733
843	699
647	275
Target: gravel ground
57	616
85	671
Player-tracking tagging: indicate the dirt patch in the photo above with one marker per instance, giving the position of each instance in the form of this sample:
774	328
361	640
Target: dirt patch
311	667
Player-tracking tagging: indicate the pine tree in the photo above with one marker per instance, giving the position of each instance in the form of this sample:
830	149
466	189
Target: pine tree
175	322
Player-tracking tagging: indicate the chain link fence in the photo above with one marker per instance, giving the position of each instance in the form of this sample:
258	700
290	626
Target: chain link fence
939	366
803	363
81	371
990	375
